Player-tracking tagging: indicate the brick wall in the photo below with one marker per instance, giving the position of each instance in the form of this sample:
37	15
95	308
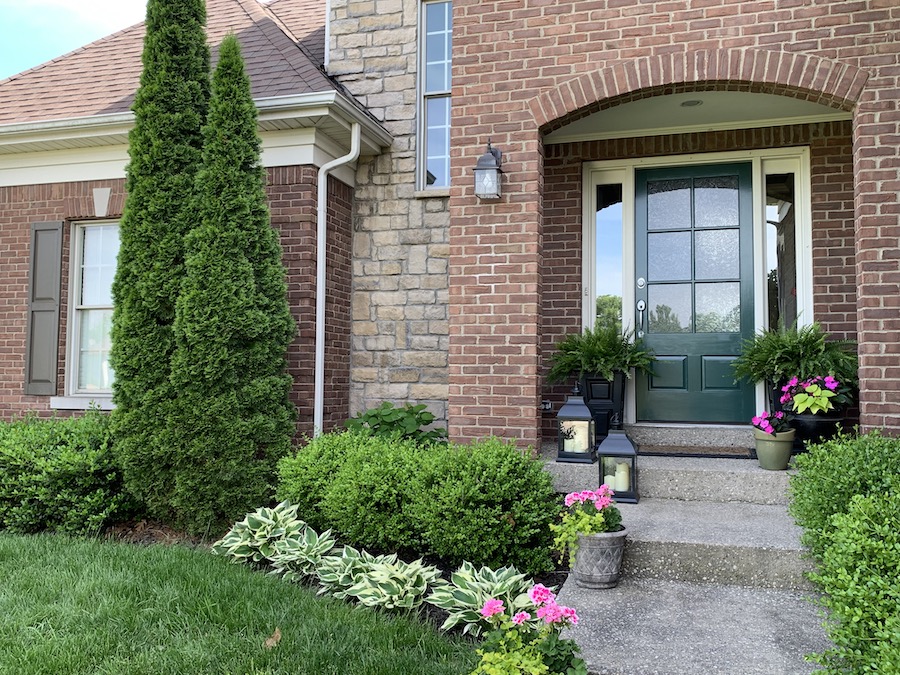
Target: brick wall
292	199
834	262
521	69
400	239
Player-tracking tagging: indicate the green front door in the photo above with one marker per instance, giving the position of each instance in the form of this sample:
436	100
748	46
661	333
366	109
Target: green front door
694	290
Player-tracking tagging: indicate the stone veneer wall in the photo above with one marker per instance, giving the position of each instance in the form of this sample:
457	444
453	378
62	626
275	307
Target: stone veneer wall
399	329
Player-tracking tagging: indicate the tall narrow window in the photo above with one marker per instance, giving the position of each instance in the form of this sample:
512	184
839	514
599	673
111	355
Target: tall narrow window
608	255
96	250
435	49
781	250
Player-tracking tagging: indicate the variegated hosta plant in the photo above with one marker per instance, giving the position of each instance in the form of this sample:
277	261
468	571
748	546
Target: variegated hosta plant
339	573
470	588
296	558
396	585
253	538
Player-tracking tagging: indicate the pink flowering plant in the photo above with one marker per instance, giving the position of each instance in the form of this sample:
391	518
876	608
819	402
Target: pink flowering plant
814	395
529	641
772	423
587	512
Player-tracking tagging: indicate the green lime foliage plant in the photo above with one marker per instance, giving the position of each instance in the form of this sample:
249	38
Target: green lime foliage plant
603	351
471	587
487	502
164	148
254	538
60	475
778	354
858	575
832	473
529	641
233	325
367	502
405	422
587	512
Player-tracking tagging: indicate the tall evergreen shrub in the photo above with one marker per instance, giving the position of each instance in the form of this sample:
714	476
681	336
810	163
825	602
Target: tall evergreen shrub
165	153
233	323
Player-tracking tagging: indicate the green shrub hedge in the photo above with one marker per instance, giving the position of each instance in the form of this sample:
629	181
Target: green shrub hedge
60	475
859	574
487	503
832	472
367	501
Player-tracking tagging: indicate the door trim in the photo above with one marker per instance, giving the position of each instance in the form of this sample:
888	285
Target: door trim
774	160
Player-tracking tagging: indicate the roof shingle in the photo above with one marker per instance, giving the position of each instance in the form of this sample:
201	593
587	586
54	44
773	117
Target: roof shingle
279	44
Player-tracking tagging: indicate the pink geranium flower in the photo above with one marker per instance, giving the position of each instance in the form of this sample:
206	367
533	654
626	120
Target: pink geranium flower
540	594
521	618
492	607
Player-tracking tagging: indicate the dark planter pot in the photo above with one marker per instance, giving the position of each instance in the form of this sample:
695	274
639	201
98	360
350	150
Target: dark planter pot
606	401
814	428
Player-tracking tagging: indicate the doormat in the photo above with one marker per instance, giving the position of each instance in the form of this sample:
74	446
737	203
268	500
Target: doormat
694	451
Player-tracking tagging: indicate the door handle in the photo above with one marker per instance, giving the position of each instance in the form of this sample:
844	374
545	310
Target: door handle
641	306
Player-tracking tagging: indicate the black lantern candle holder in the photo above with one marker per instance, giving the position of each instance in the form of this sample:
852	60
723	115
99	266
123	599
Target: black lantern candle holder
576	431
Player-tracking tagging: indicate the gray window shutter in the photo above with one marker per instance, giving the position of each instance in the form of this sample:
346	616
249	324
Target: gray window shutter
42	333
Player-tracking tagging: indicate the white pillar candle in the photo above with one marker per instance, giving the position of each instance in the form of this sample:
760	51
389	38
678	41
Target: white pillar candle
623	478
610	480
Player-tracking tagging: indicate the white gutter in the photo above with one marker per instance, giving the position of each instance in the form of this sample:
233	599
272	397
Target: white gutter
321	231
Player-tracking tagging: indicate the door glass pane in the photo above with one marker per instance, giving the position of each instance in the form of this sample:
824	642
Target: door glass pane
669	308
716	202
781	249
669	256
608	255
669	204
719	308
718	254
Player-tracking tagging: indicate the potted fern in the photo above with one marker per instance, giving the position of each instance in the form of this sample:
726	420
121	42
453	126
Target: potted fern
602	359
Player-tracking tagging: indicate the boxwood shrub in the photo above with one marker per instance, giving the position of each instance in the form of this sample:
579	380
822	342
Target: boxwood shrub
60	475
832	472
367	500
305	475
487	503
859	574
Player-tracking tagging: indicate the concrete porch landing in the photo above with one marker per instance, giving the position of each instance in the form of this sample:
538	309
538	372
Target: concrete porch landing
713	578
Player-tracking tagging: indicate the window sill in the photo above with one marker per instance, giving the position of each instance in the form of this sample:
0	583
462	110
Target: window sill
435	192
81	402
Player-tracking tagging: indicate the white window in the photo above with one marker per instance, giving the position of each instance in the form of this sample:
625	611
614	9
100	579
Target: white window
435	49
95	250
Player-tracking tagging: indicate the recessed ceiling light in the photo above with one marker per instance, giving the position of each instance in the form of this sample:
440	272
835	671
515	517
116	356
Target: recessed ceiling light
692	103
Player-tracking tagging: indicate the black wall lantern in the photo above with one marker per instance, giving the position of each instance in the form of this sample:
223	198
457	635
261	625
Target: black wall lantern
618	465
487	174
576	431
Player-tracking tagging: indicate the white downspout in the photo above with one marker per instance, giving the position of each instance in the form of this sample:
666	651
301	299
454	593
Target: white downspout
321	291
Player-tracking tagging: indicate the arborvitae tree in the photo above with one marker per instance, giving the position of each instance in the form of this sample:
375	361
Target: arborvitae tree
165	153
233	324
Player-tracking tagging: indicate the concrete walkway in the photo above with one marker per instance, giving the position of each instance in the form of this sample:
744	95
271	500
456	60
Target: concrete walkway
713	578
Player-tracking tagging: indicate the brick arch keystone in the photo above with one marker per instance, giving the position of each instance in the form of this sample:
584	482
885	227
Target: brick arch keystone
831	83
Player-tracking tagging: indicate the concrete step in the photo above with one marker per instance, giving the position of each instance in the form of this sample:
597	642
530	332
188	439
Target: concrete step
755	545
684	478
656	627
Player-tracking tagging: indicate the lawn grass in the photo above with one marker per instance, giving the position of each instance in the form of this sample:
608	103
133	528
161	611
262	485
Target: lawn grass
71	606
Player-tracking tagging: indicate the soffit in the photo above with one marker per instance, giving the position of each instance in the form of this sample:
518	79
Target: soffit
718	110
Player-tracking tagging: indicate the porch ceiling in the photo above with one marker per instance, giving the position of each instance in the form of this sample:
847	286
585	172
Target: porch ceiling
718	110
